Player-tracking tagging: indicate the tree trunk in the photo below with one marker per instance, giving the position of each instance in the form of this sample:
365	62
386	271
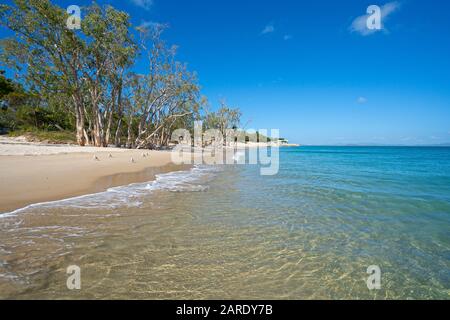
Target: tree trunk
119	111
110	118
98	121
79	114
108	130
81	140
117	134
130	133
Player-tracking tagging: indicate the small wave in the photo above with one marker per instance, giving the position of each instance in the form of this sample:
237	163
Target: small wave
131	195
238	156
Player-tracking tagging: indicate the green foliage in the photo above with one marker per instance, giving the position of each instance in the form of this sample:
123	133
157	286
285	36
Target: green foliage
29	117
8	120
256	137
24	111
6	86
33	134
42	118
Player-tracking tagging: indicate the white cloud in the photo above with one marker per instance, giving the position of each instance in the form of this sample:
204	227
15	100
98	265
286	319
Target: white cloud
359	25
268	29
361	100
287	37
145	4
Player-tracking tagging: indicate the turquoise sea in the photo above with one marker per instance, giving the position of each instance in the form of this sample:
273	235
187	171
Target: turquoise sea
309	232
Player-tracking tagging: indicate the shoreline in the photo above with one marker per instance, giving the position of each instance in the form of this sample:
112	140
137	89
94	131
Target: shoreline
46	177
153	171
33	173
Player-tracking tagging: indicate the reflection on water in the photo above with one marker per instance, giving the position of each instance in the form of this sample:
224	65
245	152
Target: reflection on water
216	233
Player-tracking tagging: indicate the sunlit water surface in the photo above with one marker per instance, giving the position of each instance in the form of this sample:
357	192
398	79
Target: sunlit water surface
309	232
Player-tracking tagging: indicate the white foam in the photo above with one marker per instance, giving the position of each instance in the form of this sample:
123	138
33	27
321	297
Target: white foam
238	156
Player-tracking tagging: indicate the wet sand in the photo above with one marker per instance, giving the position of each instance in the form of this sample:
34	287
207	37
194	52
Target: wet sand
25	180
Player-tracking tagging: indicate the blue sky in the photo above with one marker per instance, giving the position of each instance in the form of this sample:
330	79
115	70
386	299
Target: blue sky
308	69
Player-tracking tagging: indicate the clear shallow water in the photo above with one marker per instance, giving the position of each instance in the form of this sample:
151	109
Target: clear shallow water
309	232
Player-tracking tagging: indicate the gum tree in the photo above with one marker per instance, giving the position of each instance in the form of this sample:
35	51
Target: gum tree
46	53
